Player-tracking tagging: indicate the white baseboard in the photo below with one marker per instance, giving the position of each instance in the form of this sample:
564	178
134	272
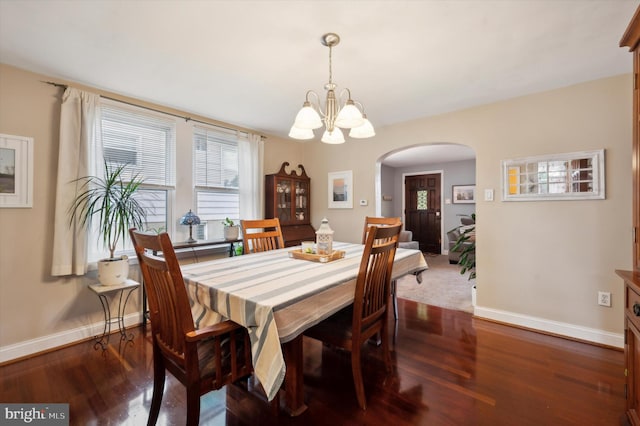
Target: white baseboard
560	328
29	347
34	346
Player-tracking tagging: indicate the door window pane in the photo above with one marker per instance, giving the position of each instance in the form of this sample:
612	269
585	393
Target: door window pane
422	199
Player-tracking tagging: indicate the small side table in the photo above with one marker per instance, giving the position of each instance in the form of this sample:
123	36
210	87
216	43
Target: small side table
102	291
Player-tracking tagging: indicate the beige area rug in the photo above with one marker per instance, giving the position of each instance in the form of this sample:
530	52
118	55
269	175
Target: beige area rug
442	285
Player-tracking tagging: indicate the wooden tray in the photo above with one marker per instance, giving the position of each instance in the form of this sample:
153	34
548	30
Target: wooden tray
322	258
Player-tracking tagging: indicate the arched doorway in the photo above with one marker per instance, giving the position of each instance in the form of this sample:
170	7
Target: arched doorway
420	166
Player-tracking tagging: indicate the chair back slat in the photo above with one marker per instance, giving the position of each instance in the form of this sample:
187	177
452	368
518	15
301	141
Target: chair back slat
379	221
261	235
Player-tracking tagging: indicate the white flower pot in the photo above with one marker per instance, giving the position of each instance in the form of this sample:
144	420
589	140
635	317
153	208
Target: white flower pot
231	232
473	295
113	271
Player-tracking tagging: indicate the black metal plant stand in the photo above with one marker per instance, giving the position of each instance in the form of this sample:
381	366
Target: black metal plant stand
102	291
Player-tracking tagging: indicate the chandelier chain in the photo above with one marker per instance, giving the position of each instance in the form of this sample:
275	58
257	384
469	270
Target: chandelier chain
330	62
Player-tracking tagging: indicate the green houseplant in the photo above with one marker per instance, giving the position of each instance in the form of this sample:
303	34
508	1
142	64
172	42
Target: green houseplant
467	260
466	243
109	200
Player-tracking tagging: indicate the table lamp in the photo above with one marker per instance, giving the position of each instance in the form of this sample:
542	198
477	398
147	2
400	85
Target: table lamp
190	218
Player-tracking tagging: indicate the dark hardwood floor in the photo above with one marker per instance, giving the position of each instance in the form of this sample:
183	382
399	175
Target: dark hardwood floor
449	369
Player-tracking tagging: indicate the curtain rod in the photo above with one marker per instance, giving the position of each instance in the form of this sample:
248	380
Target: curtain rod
155	110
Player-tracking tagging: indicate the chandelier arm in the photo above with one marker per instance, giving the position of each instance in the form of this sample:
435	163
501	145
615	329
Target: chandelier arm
360	106
346	89
316	105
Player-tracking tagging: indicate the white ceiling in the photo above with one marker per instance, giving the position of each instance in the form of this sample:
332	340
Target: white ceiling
249	63
429	154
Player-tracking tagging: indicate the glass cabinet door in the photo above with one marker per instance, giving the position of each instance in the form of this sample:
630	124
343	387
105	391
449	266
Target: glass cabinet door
283	200
302	192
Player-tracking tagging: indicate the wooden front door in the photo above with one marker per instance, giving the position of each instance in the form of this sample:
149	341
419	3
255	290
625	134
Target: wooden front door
422	210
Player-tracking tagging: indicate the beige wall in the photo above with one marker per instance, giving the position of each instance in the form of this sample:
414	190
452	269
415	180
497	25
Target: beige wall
544	260
539	263
36	309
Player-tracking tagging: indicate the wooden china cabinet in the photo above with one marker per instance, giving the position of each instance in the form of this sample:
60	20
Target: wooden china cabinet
631	39
287	197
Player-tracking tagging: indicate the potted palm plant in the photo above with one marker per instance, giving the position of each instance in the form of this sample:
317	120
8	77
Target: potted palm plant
111	201
466	244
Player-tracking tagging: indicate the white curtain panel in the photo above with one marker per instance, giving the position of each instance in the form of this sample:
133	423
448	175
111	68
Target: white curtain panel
250	169
77	138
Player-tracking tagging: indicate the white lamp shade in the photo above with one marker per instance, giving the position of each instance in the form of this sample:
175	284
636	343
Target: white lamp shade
301	134
349	116
308	118
364	131
334	137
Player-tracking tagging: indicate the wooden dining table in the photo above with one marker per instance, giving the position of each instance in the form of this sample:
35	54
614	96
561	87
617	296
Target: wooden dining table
277	297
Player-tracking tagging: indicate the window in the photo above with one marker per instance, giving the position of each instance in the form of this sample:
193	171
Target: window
215	160
422	199
578	175
145	142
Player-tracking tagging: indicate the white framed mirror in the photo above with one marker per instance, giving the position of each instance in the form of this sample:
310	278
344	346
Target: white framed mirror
569	176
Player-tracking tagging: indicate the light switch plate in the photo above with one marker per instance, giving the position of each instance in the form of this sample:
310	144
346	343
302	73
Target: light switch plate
488	194
363	202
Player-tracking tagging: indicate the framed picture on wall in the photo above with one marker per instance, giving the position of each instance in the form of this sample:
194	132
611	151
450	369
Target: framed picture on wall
16	171
341	190
464	194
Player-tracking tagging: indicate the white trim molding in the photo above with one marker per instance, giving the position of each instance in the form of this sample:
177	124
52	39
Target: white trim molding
52	341
559	328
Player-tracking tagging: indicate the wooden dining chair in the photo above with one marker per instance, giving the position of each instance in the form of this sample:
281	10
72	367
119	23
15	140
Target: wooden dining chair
380	221
202	359
351	327
383	221
261	235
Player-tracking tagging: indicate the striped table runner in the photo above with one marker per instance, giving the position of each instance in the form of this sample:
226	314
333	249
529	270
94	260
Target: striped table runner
248	289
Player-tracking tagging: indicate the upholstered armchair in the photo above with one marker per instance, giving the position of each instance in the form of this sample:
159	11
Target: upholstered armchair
452	236
466	222
405	240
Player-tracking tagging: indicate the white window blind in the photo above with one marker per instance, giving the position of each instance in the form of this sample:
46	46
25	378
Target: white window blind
155	203
215	159
217	205
142	140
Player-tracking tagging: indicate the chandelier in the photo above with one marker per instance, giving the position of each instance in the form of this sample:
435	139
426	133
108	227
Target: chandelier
334	116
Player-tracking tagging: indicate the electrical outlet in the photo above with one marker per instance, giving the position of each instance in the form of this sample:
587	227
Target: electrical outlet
604	298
